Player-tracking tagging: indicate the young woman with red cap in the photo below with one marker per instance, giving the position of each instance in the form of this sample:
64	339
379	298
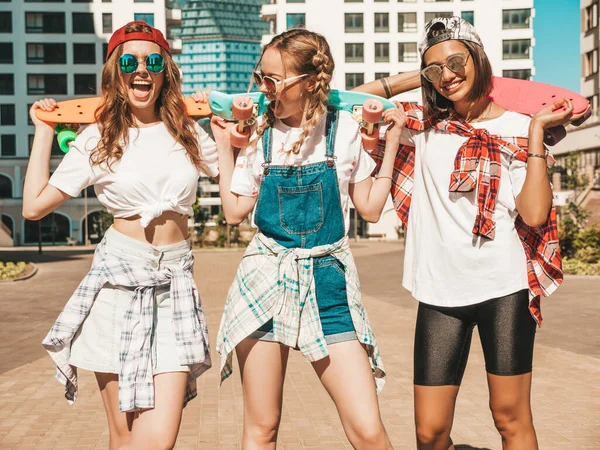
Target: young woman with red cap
136	319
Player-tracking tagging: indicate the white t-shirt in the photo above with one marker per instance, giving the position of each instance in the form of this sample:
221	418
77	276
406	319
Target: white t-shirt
353	164
154	174
445	264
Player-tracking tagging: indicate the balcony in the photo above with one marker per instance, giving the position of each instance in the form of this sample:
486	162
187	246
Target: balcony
173	16
176	45
268	12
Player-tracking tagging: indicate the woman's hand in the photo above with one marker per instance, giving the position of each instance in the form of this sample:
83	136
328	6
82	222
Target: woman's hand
396	117
46	104
221	129
201	96
559	113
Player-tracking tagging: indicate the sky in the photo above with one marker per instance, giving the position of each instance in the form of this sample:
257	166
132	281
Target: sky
556	56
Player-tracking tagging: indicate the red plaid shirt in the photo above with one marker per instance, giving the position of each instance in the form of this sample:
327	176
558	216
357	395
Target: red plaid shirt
478	166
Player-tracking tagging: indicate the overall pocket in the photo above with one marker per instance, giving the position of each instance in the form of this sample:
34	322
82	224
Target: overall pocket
301	208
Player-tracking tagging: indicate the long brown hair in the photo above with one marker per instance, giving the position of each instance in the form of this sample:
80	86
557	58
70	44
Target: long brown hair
114	115
435	103
305	52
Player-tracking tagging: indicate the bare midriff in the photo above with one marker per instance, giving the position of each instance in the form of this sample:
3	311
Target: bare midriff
169	228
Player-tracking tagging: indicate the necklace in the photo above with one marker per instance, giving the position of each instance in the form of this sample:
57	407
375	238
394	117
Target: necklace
483	117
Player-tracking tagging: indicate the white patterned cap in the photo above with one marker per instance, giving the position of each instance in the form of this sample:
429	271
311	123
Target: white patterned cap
446	28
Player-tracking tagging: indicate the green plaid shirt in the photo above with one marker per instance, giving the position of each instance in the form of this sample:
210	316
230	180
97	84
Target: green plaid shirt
275	282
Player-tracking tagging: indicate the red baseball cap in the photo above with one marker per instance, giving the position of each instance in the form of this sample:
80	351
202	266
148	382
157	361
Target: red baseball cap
120	36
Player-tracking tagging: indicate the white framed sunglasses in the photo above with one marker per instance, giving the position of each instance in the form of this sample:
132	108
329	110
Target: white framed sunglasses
270	83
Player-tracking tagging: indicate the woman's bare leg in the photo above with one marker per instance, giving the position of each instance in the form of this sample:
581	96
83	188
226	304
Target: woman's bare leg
347	376
119	423
434	415
262	367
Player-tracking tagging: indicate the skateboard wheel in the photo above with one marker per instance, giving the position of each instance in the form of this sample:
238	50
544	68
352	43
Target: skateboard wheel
242	108
372	111
64	138
585	117
554	135
370	141
239	139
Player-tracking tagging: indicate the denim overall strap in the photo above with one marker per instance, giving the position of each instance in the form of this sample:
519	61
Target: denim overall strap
330	132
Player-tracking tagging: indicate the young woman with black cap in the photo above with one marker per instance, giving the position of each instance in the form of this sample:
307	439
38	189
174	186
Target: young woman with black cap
136	319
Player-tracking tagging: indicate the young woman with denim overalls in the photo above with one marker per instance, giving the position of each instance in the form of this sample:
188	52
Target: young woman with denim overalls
297	285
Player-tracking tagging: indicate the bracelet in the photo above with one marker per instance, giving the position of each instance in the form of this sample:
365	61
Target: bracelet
389	178
535	155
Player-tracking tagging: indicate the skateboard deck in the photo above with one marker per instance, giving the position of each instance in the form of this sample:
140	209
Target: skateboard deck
83	110
528	97
349	101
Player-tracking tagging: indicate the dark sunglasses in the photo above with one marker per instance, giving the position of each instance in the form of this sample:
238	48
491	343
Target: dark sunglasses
456	63
154	62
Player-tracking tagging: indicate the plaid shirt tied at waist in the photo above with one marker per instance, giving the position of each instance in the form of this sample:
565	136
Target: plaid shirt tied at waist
275	282
136	385
478	167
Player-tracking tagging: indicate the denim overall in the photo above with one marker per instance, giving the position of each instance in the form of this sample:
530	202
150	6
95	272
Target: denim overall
299	206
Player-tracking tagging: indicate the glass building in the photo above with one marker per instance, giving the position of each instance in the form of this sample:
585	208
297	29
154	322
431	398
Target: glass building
220	44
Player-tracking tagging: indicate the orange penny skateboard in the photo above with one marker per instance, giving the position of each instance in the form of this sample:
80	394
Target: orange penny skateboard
528	97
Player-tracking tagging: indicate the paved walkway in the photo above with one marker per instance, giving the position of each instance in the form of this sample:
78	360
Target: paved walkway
34	415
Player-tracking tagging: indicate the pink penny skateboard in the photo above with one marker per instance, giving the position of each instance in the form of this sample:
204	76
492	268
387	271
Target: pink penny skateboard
528	97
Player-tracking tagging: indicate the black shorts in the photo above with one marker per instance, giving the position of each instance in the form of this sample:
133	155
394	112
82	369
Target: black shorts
443	338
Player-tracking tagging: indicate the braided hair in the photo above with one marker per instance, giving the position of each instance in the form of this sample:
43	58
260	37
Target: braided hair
304	52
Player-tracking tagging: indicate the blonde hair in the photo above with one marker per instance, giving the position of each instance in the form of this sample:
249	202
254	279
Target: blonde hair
114	115
305	52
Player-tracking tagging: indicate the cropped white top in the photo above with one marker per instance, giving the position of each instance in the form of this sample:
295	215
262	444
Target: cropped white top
154	174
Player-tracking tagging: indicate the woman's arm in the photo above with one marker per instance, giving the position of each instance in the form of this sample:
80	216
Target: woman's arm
369	196
535	199
235	207
40	198
389	86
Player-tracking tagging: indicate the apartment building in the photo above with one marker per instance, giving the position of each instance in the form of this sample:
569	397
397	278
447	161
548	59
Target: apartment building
371	39
584	141
55	48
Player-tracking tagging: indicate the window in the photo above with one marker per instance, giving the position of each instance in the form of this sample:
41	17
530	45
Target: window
407	1
429	16
107	26
295	1
590	17
520	74
83	23
353	22
379	75
354	79
5	22
85	84
145	17
516	18
7	115
382	22
407	22
104	51
516	49
382	52
84	54
45	22
8	144
590	63
41	84
6	53
407	52
7	84
355	52
469	16
46	53
296	20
